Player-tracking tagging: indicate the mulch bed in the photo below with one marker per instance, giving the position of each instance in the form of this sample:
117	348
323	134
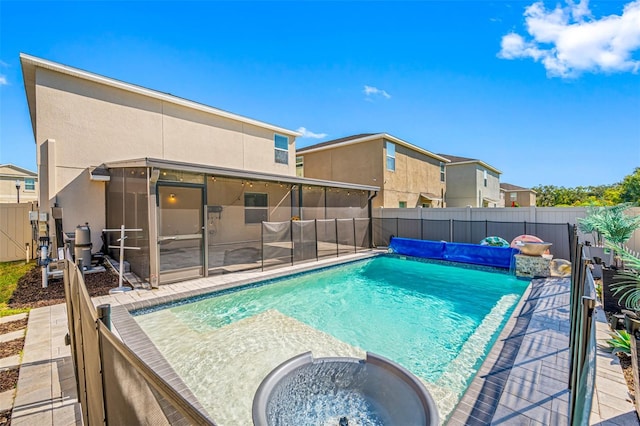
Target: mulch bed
30	294
8	327
12	347
627	371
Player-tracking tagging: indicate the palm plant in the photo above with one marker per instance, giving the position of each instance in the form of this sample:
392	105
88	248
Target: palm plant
616	226
627	285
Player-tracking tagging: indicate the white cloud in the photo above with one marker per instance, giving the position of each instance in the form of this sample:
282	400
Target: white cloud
569	40
3	80
371	91
307	134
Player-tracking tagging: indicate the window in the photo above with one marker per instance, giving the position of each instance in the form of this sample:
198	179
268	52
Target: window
426	205
256	208
282	148
441	172
391	156
485	178
300	166
29	184
402	204
513	196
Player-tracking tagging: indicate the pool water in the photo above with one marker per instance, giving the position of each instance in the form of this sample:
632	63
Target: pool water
437	321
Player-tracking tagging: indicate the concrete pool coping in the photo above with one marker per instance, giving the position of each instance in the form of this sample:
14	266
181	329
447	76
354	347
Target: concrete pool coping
610	406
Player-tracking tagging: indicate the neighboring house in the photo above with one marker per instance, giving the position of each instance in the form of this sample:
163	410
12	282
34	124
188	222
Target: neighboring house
408	176
517	196
471	182
198	181
16	182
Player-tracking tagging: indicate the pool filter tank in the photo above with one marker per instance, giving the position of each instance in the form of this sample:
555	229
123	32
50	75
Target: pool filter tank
83	245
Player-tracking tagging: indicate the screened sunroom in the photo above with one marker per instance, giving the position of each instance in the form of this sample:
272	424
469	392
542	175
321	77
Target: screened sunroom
199	220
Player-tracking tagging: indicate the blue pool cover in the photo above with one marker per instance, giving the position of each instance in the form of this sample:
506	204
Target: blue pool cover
498	257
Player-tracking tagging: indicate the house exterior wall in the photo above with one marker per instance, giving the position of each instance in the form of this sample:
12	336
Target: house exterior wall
365	163
81	123
523	198
8	192
465	185
360	163
462	185
414	173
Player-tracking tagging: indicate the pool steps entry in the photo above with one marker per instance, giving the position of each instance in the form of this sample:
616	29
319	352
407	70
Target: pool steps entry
377	389
497	257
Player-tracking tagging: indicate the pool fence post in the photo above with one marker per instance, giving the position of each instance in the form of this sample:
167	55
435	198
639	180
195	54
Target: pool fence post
315	223
421	227
355	249
525	227
104	314
337	246
291	235
450	230
262	245
397	227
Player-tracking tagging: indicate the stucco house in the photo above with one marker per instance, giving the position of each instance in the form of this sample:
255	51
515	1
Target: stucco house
198	181
517	196
408	176
471	182
17	184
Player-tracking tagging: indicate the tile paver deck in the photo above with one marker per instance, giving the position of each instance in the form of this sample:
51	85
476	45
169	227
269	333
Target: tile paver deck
523	380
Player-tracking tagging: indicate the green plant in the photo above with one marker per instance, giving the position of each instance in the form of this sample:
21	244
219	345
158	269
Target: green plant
620	342
627	285
611	222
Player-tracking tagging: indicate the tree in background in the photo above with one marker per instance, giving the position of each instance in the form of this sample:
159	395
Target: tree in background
630	188
627	191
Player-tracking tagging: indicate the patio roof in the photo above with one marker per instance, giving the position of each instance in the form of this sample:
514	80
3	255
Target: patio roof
235	173
430	196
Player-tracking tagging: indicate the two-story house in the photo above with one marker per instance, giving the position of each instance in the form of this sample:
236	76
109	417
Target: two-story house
408	176
517	196
198	181
471	182
17	184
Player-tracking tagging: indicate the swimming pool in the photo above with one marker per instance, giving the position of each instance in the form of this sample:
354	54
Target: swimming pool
438	321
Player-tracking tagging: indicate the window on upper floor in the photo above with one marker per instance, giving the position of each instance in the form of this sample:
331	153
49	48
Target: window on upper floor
513	196
300	166
281	148
485	178
256	208
442	172
391	156
402	204
29	184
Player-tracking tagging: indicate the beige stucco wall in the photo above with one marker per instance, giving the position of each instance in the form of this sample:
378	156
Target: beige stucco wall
93	124
8	192
465	185
523	198
365	163
414	173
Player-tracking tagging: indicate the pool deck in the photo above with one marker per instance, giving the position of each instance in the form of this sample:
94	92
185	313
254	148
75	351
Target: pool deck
522	382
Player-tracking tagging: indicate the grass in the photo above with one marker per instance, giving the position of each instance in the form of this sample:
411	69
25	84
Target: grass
10	273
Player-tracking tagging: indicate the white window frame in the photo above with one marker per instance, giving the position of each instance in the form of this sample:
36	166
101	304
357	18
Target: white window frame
484	174
442	173
390	156
281	150
27	184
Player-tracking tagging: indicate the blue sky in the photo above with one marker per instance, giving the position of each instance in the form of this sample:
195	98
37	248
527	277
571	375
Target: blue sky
548	93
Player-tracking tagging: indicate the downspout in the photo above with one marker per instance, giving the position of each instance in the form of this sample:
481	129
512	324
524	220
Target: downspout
370	211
